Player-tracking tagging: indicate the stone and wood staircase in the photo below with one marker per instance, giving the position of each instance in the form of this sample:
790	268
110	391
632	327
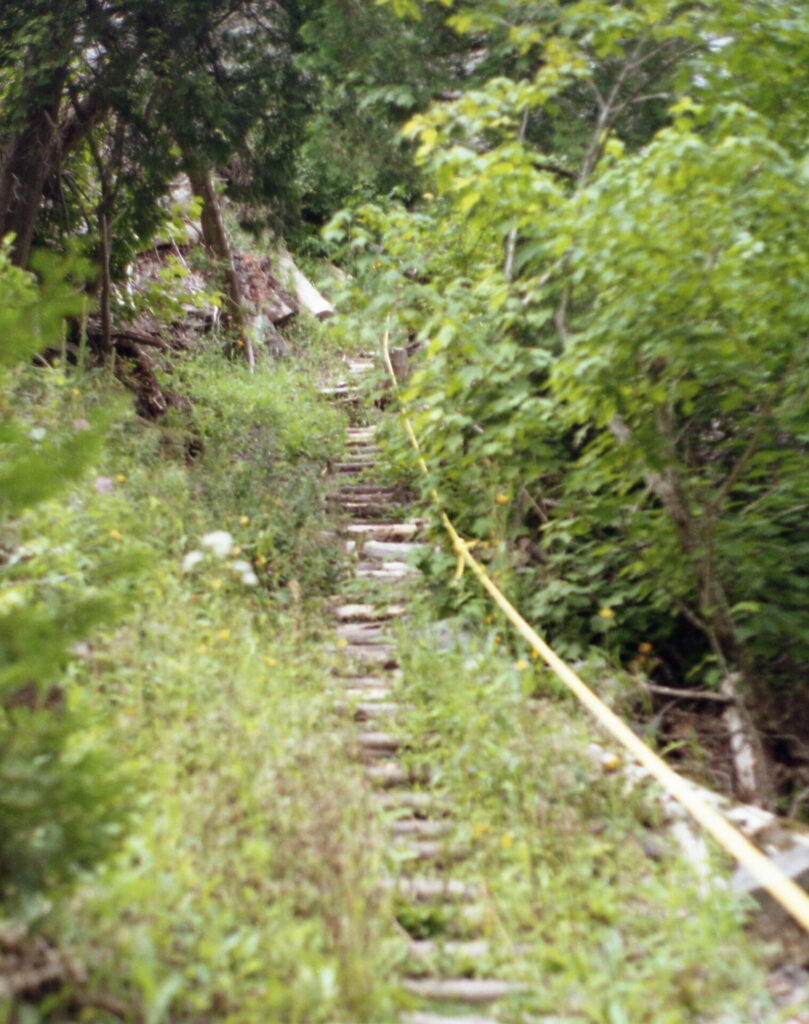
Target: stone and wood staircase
380	539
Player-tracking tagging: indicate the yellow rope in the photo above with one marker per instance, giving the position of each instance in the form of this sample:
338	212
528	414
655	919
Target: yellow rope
790	896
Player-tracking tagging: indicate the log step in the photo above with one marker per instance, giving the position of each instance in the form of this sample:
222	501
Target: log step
347	468
379	744
355	491
368	612
360	366
391	571
368	509
386	531
370	711
391	774
422	827
367	696
407	800
433	851
361	632
426	949
430	890
380	655
340	393
438	1018
462	990
383	550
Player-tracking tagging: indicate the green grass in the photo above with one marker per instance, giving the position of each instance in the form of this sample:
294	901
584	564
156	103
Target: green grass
245	887
602	930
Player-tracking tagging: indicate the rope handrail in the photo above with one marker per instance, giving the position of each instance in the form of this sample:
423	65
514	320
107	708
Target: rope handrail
782	888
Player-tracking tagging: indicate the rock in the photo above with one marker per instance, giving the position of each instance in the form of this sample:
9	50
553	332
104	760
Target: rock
305	292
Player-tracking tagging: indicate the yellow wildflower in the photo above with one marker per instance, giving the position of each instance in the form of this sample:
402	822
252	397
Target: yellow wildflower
502	499
645	647
121	478
611	763
521	665
244	520
76	393
342	643
269	662
506	841
479	829
606	613
237	550
202	649
261	561
224	634
534	655
115	535
216	584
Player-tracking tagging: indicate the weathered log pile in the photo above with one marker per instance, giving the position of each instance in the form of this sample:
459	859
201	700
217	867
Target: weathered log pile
264	292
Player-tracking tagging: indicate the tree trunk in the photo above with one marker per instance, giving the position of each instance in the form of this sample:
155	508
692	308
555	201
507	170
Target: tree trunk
751	768
105	245
28	158
30	154
213	233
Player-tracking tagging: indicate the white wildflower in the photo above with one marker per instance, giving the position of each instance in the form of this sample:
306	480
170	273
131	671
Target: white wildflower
249	579
191	559
241	566
219	543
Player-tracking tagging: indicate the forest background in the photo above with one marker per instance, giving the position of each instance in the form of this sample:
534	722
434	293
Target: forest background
587	221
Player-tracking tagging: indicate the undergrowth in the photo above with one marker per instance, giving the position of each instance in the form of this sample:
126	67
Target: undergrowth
583	897
243	890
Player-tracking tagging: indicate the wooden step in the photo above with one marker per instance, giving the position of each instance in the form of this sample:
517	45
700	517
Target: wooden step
340	393
426	949
366	509
368	612
387	531
363	493
462	990
437	1018
360	367
432	851
385	550
380	655
422	827
358	466
379	744
431	890
361	632
377	710
362	448
366	696
410	802
391	571
391	774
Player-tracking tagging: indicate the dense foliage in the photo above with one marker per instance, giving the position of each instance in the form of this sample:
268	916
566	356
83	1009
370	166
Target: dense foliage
587	221
61	801
609	286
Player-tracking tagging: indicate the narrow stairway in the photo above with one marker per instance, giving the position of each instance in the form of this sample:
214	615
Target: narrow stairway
365	688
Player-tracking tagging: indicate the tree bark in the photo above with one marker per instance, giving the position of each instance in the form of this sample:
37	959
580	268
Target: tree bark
213	233
28	158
